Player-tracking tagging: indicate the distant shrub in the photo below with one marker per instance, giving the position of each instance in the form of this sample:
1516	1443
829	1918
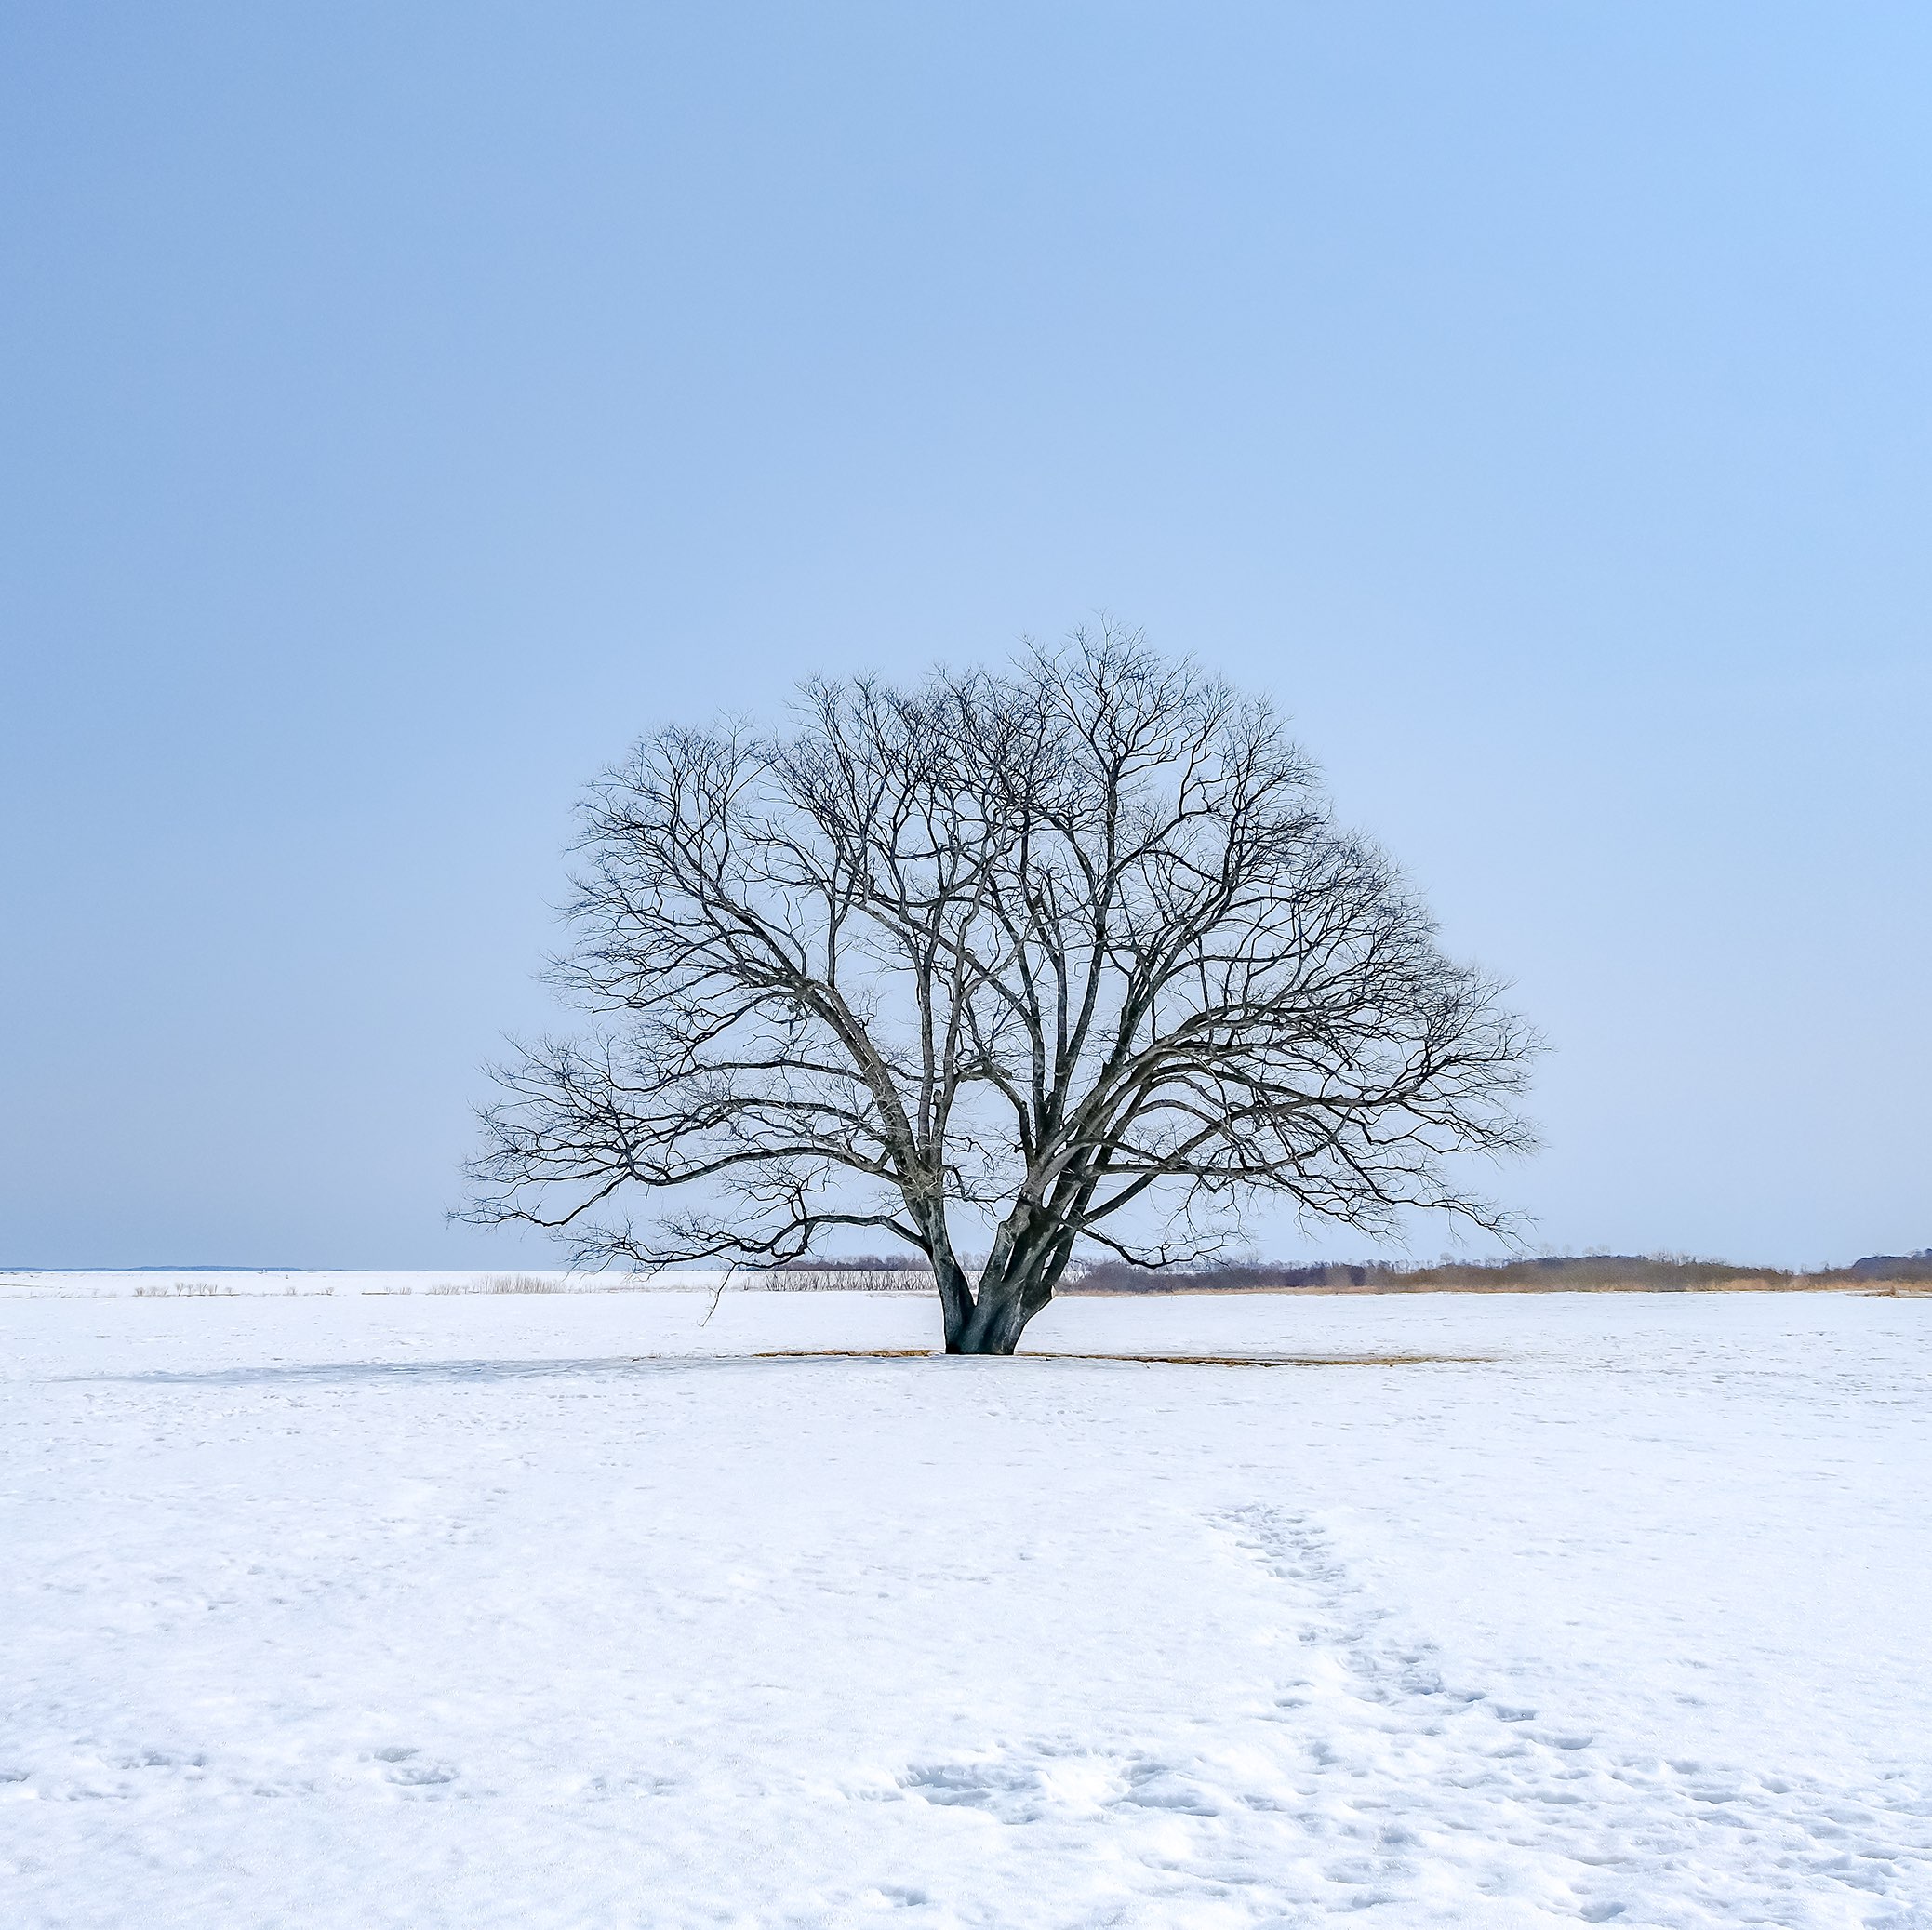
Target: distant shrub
863	1272
506	1283
846	1280
1119	1276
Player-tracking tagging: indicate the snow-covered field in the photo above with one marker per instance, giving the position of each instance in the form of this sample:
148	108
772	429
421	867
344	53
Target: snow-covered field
356	1611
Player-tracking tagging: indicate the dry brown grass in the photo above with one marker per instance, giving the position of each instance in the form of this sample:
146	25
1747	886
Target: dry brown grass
1144	1359
1279	1359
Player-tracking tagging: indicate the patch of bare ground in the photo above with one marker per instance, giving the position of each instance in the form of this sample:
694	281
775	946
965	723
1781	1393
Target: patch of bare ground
1147	1359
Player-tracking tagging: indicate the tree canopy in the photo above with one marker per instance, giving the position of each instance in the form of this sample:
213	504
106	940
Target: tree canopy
1071	953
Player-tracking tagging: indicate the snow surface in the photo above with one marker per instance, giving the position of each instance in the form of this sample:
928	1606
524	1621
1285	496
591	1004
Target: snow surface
541	1611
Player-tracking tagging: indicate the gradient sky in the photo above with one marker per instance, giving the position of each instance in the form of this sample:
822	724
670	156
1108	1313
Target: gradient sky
407	406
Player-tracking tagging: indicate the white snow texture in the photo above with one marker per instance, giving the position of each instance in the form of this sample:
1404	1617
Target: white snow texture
568	1612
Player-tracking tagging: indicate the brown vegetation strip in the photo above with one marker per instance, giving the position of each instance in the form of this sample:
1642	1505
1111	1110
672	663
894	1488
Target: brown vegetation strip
1279	1359
1146	1359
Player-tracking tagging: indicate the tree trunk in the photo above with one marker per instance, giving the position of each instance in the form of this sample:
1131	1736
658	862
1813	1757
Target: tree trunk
955	1302
1007	1299
995	1322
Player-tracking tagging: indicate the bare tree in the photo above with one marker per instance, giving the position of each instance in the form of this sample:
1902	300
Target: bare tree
1074	950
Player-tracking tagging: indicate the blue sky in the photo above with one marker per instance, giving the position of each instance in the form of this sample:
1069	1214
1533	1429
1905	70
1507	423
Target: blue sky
409	405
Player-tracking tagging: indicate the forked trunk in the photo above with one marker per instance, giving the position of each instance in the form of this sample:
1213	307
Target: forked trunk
1017	1283
992	1325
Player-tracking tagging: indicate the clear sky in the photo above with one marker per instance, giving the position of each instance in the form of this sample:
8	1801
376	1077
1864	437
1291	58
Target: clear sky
408	404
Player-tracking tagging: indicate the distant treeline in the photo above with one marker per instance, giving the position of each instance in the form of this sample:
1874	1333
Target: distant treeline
1594	1272
1591	1273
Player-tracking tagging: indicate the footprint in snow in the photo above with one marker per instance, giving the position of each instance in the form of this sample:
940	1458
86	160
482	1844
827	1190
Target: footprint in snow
1544	1812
